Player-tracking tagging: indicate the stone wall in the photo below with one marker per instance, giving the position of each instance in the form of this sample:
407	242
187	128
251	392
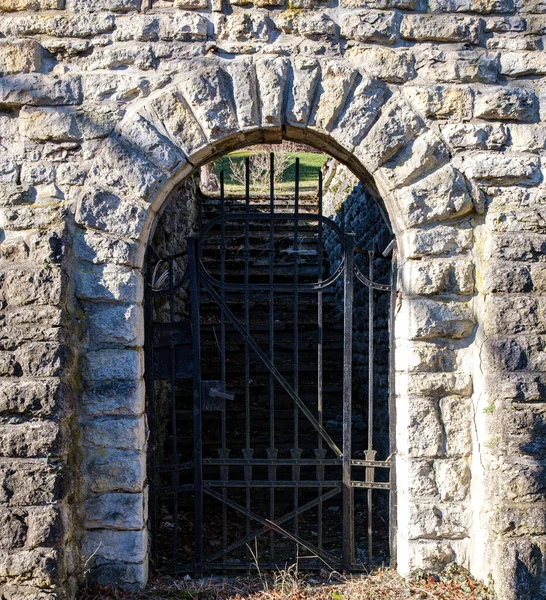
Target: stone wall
107	105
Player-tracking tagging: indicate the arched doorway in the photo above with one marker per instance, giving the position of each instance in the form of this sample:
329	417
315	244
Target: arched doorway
268	374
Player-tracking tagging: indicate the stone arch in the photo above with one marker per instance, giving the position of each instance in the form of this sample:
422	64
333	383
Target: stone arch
377	133
357	119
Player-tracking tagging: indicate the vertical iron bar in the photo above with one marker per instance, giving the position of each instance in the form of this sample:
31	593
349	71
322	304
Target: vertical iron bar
197	415
348	526
224	453
272	452
150	403
247	451
175	475
392	410
296	451
320	450
370	454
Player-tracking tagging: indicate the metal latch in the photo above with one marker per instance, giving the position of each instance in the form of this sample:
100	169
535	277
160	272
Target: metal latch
214	395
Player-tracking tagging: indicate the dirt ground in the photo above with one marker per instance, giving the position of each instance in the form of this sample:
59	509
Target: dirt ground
384	584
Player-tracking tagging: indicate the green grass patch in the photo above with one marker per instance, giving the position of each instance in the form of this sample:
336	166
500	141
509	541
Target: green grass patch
310	165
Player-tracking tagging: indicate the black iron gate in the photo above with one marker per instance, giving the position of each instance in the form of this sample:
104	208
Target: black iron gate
265	448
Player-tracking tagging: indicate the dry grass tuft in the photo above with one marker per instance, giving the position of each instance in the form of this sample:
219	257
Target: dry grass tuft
453	583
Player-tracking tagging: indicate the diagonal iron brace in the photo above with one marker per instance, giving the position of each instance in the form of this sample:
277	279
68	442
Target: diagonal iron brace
280	520
322	554
287	387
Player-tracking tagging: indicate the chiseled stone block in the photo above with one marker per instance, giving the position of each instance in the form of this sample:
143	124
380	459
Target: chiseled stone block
19	56
114	470
35	5
430	319
449	28
115	511
121	398
115	432
513	104
120	546
369	26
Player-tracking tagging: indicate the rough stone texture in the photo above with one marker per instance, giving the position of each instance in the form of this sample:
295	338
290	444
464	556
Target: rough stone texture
438	107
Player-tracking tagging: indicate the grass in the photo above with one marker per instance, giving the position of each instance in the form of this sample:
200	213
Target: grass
310	164
453	583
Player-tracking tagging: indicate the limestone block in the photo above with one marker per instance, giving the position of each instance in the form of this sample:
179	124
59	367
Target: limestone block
442	102
86	6
434	555
40	398
369	26
39	90
96	247
441	29
457	414
430	319
144	28
38	567
524	247
102	210
114	470
393	66
19	56
63	124
111	364
115	432
123	398
422	155
439	384
301	95
30	482
122	56
522	428
517	354
421	478
32	439
115	511
243	77
403	4
23	217
43	359
522	479
426	357
13	529
454	66
522	64
425	434
206	92
317	26
514	104
126	576
359	113
479	6
122	546
146	138
394	129
335	85
439	240
519	521
108	283
114	324
473	136
243	27
190	4
435	277
452	478
502	169
441	195
126	170
511	315
437	521
506	277
527	138
15	5
272	76
42	287
180	123
110	87
72	26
